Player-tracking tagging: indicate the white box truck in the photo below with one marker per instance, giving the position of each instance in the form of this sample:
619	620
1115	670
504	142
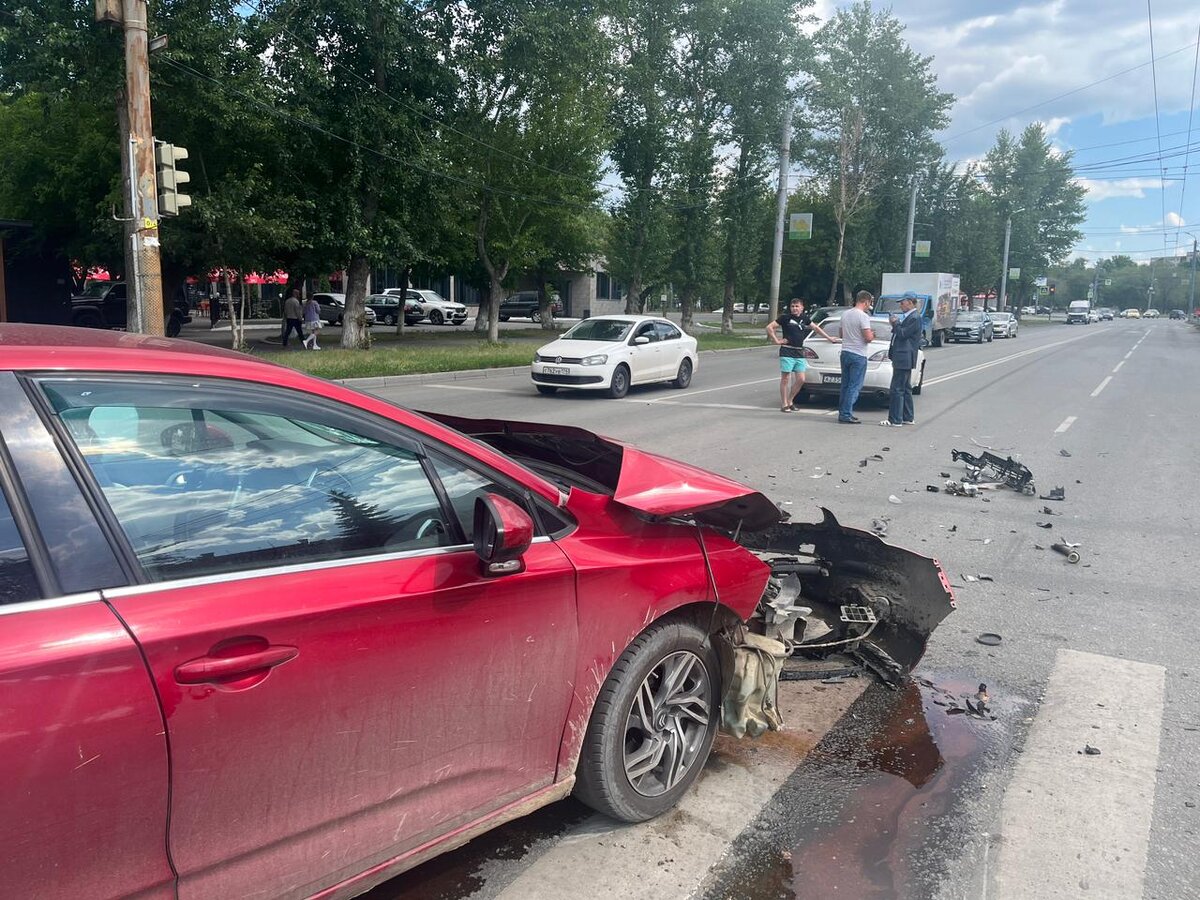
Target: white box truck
937	299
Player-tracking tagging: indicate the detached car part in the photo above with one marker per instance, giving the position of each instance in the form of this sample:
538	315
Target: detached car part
1012	473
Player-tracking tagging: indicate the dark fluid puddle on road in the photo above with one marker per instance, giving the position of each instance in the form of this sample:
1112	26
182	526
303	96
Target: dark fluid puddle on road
461	872
889	778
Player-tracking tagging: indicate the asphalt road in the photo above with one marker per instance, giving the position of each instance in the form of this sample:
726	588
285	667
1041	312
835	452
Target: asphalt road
873	793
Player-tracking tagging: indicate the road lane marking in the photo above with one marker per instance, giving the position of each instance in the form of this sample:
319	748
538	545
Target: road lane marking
1066	423
1003	359
1075	825
1103	385
1118	368
1127	355
806	412
725	387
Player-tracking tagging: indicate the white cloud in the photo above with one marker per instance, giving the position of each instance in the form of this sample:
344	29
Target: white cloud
1120	187
1054	124
1175	220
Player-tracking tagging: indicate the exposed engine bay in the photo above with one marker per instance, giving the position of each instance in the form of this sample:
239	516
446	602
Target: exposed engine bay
832	591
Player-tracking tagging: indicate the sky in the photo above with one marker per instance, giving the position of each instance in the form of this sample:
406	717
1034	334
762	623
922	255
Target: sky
1083	69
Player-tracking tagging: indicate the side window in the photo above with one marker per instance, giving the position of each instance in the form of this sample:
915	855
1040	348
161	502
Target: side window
666	331
17	580
646	330
463	485
202	483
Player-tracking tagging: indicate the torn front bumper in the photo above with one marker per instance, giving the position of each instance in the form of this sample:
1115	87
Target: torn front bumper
835	589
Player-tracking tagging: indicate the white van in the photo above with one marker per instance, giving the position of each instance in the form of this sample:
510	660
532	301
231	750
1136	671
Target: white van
1078	311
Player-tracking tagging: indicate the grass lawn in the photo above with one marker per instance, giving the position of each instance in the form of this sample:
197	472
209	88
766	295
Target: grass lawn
451	351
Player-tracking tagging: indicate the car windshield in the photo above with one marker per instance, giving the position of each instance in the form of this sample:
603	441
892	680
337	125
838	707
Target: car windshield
887	305
1001	317
432	296
969	317
833	327
604	330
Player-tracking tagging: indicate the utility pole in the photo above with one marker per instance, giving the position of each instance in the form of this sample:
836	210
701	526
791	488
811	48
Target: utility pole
1003	299
1192	286
143	265
912	216
785	149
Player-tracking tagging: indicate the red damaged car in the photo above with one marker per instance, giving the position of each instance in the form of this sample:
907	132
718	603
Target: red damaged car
263	635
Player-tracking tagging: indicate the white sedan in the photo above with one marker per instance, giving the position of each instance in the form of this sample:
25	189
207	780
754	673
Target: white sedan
1004	325
610	353
825	367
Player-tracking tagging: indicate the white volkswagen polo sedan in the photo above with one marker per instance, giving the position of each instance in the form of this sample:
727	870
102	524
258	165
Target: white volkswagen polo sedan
825	362
610	353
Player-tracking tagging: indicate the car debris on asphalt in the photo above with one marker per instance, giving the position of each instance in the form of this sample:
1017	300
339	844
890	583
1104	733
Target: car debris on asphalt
1056	493
1089	750
1069	552
1007	470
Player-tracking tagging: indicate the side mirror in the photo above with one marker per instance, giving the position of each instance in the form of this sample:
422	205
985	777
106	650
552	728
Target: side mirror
641	339
502	532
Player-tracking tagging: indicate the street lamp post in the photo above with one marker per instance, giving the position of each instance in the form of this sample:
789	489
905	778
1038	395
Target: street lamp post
1003	304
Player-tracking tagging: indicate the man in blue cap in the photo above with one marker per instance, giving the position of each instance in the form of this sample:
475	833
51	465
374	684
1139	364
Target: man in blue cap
906	340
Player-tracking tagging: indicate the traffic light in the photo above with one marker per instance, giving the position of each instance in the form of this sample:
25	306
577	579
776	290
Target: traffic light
166	159
1051	289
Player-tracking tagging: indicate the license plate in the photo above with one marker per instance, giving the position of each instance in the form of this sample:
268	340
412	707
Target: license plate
556	370
831	379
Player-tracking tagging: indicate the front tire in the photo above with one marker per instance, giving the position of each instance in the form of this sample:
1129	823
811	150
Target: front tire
435	317
653	724
389	319
618	386
535	316
684	378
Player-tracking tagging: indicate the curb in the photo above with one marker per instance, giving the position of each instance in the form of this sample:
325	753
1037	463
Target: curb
467	374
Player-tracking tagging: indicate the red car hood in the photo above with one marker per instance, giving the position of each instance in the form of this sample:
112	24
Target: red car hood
635	478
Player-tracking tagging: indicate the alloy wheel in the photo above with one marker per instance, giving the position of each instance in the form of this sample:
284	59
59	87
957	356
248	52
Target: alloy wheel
667	724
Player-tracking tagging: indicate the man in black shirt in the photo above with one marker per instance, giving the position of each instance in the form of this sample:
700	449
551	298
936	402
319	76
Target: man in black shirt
796	325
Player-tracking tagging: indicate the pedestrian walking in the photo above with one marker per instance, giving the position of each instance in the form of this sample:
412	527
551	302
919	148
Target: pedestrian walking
906	340
795	325
214	309
856	337
291	315
312	323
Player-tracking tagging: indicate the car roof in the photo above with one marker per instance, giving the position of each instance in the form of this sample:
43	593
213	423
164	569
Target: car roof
635	319
65	349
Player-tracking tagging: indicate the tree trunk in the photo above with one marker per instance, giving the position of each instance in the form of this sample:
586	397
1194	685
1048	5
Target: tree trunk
727	309
404	281
354	321
687	298
544	308
837	262
237	314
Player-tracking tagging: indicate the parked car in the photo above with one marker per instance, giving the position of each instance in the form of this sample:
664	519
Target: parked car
264	635
611	353
1004	325
387	309
825	366
1150	314
1045	310
105	304
1177	314
524	305
1131	314
971	325
434	307
739	307
333	308
1029	310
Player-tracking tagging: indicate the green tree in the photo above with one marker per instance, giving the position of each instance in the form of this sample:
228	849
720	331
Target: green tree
763	37
531	113
874	108
1035	187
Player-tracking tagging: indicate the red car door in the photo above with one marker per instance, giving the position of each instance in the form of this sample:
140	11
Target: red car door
83	758
340	684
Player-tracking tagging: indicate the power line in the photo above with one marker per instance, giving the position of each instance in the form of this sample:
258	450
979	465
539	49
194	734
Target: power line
1162	199
1188	156
1065	95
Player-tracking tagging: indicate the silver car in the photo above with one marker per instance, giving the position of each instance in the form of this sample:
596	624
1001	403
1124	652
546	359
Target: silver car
825	367
1004	325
